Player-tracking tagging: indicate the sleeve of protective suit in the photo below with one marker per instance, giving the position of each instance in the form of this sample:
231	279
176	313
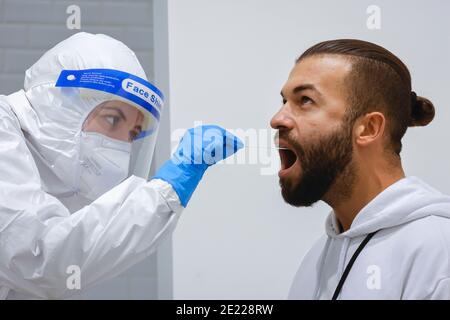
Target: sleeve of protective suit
40	240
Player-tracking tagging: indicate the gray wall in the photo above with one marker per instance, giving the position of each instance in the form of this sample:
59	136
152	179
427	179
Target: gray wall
228	61
30	27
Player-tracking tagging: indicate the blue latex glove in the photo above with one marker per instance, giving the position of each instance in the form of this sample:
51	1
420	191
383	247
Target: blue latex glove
200	148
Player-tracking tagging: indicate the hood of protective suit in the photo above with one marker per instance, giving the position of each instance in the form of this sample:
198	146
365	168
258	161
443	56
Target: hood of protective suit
51	121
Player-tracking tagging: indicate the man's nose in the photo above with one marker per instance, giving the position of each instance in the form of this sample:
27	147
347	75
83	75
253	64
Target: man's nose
282	119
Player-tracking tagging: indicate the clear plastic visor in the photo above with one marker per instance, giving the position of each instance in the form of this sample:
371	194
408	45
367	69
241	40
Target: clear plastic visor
126	120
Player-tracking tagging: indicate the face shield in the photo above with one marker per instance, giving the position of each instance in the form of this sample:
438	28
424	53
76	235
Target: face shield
117	135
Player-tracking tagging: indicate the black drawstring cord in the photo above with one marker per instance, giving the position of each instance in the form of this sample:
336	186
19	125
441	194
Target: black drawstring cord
350	264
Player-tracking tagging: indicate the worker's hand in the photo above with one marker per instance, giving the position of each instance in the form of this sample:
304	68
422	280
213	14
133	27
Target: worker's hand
199	148
206	145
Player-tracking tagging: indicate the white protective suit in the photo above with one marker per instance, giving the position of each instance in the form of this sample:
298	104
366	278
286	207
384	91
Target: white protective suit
44	227
408	258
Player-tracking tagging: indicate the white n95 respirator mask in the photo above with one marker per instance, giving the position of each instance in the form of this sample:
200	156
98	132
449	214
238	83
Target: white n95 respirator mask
104	163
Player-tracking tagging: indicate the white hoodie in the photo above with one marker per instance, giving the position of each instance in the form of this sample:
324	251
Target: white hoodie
408	258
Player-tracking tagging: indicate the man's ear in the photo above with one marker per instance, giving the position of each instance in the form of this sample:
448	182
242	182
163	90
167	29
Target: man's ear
369	128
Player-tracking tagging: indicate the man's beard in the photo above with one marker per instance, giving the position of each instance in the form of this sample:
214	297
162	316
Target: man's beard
322	162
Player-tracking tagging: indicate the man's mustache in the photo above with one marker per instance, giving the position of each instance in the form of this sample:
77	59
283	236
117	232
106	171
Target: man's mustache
285	136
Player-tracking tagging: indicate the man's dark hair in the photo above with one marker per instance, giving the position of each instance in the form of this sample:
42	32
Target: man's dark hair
378	81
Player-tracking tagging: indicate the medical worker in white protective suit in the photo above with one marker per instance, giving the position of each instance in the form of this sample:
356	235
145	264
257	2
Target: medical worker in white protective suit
70	142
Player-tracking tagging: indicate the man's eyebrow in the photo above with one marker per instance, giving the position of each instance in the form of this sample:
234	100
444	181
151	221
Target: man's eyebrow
118	111
306	87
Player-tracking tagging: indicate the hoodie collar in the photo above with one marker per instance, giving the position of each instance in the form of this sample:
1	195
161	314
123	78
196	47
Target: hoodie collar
405	200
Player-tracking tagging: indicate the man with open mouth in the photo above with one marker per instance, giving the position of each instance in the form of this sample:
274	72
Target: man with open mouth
346	106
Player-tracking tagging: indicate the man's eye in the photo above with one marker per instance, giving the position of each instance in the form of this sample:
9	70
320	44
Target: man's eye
305	100
284	101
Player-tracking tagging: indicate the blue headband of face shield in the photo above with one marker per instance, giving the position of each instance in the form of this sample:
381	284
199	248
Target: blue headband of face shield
122	84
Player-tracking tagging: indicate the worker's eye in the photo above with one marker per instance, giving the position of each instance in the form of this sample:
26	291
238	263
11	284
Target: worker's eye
284	101
112	120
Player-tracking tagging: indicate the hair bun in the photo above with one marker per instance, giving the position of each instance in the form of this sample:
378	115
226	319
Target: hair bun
422	111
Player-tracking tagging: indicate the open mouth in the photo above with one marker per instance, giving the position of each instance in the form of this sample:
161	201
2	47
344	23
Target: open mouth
288	159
